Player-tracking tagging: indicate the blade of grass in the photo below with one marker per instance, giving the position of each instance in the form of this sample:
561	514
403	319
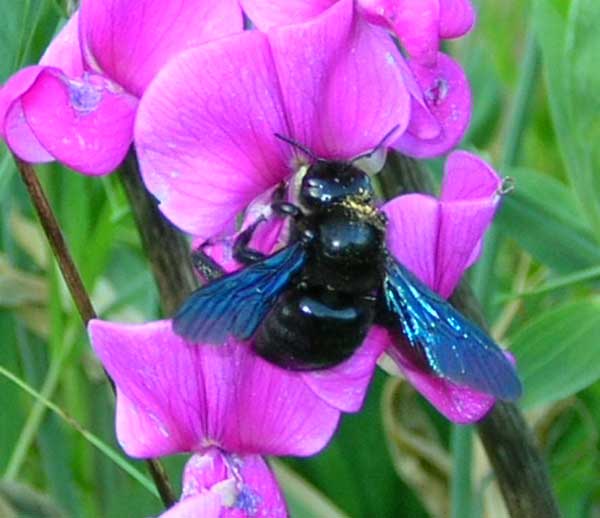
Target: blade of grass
461	492
565	281
34	419
89	436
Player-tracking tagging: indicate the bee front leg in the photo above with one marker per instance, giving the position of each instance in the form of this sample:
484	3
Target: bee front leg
242	253
283	208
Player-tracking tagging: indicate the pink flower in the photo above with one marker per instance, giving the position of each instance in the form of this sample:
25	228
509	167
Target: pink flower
226	405
221	485
438	239
418	24
78	105
440	94
337	84
207	143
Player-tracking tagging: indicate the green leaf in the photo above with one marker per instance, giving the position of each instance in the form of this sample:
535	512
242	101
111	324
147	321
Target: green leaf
26	27
570	45
557	353
558	283
542	216
583	84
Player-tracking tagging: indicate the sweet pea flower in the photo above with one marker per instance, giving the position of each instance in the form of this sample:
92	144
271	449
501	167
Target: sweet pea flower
440	93
438	239
227	406
418	24
79	103
219	485
207	144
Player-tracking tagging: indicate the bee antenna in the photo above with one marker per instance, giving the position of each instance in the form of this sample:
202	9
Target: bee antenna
378	146
297	145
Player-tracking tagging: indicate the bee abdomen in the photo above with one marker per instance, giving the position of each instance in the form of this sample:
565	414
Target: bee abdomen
313	330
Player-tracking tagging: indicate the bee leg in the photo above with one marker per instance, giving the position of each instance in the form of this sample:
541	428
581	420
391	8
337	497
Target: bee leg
283	208
205	265
242	253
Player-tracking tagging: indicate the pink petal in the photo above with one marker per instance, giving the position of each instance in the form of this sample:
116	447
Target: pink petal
415	22
412	234
448	98
13	125
206	141
276	413
459	404
341	82
85	123
130	45
271	13
423	124
439	240
467	177
344	386
469	199
206	505
64	51
456	18
242	486
195	396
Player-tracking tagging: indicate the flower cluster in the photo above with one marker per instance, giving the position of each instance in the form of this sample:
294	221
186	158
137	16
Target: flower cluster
204	100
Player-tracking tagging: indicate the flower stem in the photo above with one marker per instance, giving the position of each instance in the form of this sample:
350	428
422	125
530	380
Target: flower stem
78	292
461	444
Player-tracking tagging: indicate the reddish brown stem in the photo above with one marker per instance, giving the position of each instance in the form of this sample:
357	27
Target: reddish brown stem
78	292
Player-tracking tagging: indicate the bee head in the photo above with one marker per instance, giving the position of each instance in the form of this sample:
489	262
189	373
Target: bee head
329	183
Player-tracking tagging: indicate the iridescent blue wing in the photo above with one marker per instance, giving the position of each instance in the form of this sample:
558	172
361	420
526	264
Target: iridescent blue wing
454	347
236	304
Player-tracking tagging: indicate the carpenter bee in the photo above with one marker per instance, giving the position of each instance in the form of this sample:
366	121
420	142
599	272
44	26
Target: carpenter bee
310	305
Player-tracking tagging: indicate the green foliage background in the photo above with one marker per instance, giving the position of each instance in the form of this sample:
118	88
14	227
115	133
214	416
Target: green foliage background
536	83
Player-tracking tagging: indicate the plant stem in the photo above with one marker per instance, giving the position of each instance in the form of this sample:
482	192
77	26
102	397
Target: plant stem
484	271
166	249
461	444
78	292
57	241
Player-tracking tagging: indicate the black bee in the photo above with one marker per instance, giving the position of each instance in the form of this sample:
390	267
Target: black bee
311	304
